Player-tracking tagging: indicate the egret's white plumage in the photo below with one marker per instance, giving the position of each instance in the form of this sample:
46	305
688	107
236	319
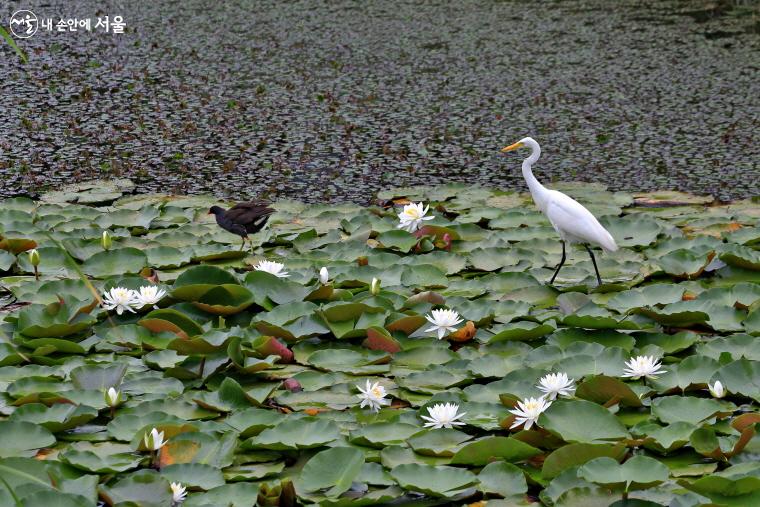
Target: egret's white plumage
573	222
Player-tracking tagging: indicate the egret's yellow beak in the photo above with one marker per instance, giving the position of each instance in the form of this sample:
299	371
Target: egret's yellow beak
512	147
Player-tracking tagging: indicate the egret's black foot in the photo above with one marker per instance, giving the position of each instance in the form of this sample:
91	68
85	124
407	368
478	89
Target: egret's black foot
593	260
559	266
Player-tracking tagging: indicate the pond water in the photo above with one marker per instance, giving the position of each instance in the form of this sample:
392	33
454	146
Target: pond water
332	101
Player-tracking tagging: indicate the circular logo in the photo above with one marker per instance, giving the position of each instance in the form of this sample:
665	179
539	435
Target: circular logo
23	24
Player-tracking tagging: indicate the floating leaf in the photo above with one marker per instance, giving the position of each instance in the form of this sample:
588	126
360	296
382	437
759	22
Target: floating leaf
22	438
197	280
297	434
115	262
485	450
502	478
639	472
439	481
573	455
582	421
335	468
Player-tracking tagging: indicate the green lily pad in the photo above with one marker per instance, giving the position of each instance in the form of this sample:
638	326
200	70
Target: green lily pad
639	472
56	418
196	475
439	442
147	489
573	455
106	457
487	449
582	421
225	300
296	434
20	438
197	280
115	262
55	320
441	481
504	479
671	409
335	468
171	320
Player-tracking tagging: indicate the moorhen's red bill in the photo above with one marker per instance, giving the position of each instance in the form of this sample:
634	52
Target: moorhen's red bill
243	218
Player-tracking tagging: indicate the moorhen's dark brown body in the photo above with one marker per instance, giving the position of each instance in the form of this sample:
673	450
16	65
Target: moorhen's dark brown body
243	218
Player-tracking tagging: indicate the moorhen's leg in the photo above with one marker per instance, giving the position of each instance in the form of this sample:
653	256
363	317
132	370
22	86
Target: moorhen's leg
243	244
561	262
598	278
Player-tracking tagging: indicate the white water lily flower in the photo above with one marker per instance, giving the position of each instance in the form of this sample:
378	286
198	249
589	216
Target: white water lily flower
412	217
374	287
555	384
373	396
178	493
717	389
121	299
642	366
443	322
275	268
112	397
324	276
528	410
150	295
154	440
443	416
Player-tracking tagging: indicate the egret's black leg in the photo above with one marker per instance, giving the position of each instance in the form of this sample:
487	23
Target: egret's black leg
598	278
561	262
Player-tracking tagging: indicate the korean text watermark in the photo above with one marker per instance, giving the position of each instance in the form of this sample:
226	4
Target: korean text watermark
25	23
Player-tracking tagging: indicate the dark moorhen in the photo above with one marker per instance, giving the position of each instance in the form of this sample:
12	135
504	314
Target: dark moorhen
243	218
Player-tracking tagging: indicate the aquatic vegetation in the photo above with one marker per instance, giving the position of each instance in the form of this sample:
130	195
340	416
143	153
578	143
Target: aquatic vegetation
332	109
329	387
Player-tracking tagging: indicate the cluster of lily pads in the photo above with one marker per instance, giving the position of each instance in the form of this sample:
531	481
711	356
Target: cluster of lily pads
350	361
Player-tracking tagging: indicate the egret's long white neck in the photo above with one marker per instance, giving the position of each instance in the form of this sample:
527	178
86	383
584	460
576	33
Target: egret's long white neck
537	190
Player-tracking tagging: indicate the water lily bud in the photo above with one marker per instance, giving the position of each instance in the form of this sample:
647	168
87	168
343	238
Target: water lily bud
717	389
106	241
34	257
374	287
112	397
324	276
292	385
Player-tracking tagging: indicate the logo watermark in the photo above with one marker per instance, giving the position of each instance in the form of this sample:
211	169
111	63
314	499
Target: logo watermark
24	24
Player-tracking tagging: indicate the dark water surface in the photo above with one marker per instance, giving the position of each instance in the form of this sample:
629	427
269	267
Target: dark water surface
335	100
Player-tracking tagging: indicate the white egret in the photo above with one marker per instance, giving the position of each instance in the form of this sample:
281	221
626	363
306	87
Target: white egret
573	222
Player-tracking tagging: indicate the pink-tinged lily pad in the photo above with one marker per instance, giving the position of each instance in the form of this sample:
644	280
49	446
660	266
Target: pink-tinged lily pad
269	345
380	339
